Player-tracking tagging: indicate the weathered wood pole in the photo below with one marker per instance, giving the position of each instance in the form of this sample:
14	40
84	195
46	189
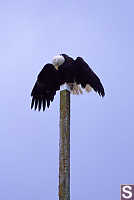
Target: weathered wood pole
64	146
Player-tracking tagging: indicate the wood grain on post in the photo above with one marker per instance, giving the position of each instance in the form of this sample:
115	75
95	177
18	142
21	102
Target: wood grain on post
64	146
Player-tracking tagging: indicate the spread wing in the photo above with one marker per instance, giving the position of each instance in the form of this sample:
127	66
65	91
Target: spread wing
85	75
45	87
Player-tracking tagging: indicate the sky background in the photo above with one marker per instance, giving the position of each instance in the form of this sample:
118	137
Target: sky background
102	130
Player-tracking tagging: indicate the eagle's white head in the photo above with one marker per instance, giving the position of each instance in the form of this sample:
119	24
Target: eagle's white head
57	61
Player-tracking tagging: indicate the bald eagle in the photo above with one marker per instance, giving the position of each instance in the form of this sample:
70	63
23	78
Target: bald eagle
76	74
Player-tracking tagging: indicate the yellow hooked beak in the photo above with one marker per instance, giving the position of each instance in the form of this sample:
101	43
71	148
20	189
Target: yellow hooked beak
56	67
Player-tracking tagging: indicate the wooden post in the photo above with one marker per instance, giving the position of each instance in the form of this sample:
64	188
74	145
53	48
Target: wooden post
64	146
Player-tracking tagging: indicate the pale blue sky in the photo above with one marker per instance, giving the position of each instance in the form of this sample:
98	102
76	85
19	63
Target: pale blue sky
102	130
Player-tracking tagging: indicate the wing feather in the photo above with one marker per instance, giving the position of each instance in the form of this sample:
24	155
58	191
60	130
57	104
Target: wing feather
44	104
45	87
85	75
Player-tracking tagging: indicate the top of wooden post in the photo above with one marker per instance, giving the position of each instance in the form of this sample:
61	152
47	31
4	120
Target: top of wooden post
64	87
